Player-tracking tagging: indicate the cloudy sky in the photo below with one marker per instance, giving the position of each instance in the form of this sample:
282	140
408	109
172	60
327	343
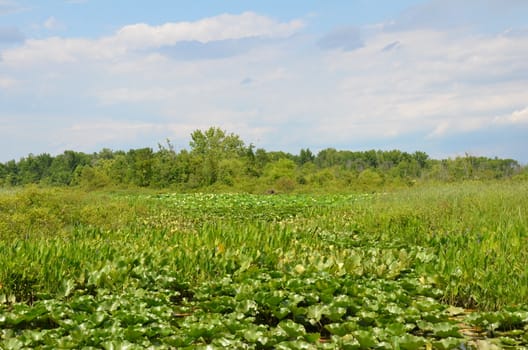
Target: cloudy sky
447	77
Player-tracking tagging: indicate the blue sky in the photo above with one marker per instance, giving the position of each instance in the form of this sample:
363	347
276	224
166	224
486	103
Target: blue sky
445	77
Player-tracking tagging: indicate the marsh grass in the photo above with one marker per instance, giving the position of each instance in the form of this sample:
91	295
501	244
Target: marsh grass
460	244
476	231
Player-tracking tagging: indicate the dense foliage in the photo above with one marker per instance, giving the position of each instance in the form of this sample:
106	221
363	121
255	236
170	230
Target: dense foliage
218	161
436	267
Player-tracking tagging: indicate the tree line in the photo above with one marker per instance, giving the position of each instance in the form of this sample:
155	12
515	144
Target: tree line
220	160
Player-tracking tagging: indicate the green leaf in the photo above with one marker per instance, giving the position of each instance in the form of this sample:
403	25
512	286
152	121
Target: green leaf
447	343
367	318
341	329
508	341
254	336
117	345
446	329
292	329
34	336
315	312
335	313
247	307
226	343
410	342
337	329
312	337
98	317
12	343
134	333
67	287
366	338
348	342
396	329
455	311
177	341
294	345
280	312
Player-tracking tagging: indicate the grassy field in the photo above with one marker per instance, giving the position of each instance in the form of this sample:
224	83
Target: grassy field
436	267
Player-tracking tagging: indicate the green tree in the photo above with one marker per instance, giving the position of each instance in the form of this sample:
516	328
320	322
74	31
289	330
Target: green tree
92	178
323	176
327	157
164	172
117	168
106	153
63	166
281	174
369	179
3	174
230	170
140	163
305	156
210	147
422	159
32	169
11	173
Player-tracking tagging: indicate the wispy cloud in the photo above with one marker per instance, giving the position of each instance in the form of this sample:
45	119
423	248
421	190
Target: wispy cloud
222	27
346	39
515	118
246	81
392	46
52	24
193	50
97	132
475	15
6	83
142	36
10	35
7	6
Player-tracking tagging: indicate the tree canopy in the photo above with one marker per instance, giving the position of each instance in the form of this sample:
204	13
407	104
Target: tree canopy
218	160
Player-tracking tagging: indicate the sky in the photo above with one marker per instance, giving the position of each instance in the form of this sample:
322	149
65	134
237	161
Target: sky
446	77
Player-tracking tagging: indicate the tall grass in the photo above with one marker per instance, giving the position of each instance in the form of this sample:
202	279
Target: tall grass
474	234
478	232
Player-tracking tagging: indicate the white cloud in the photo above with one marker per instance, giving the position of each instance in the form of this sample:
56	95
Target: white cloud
128	95
142	36
6	83
51	23
435	81
220	27
10	35
520	116
347	39
515	118
449	126
86	135
475	15
7	6
55	49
